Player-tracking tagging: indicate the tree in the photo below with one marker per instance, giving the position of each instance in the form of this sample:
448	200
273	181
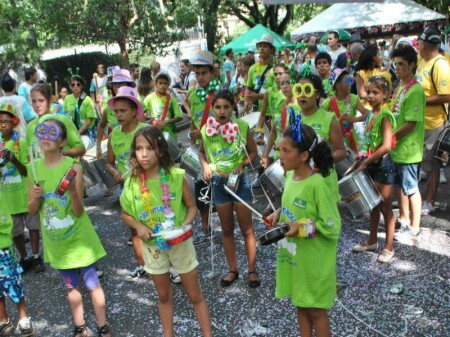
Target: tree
440	6
135	25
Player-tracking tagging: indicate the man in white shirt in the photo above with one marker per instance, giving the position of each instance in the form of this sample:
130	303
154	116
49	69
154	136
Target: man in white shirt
228	66
99	94
31	77
333	48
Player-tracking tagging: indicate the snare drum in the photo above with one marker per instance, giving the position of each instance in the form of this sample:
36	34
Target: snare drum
273	235
176	236
345	164
190	162
443	145
273	177
359	193
233	181
174	147
95	169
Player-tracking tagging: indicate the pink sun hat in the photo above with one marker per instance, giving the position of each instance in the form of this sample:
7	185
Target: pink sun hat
130	94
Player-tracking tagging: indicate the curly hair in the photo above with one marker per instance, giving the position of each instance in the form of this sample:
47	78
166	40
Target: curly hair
318	150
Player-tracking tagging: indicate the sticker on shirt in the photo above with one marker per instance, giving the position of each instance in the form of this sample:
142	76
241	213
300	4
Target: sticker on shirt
330	222
300	203
316	126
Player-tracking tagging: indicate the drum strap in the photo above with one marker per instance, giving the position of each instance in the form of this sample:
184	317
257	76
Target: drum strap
283	117
166	108
345	131
207	107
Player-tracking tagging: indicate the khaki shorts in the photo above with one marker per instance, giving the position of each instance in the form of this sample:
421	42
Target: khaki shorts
181	257
429	162
32	221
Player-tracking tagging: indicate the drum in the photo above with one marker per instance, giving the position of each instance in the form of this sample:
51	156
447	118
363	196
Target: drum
443	145
251	119
345	164
95	169
273	235
174	147
233	181
65	181
190	162
177	236
359	193
273	177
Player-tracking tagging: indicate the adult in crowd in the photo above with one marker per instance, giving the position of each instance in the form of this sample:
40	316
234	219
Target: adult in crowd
24	111
187	78
134	71
145	86
63	92
433	73
228	66
156	68
31	77
97	89
309	58
217	72
333	47
349	59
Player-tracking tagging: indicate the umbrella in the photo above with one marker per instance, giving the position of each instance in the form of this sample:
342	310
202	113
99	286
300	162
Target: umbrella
343	36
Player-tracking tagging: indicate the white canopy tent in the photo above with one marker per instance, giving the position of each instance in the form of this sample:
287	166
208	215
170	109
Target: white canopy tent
356	15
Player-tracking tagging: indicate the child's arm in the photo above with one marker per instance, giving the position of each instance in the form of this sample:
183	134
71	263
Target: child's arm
189	202
384	148
251	151
35	194
84	127
76	191
207	172
360	86
20	167
270	143
337	142
111	162
262	116
142	231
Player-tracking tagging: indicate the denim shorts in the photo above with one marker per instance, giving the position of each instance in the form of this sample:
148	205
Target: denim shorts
383	171
407	176
221	196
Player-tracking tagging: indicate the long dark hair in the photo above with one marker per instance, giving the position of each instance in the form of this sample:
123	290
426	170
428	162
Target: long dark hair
155	138
145	82
319	151
367	59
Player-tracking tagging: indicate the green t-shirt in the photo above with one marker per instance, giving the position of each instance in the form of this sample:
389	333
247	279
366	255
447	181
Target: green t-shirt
197	107
276	123
14	186
409	148
73	137
223	155
374	128
344	109
121	146
110	114
69	241
328	89
275	100
254	79
320	121
156	105
87	110
132	203
306	268
6	223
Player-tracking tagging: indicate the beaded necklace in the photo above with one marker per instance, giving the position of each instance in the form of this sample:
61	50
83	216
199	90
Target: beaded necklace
365	148
401	96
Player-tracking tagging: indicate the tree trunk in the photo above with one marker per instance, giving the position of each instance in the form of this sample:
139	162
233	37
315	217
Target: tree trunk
211	8
124	52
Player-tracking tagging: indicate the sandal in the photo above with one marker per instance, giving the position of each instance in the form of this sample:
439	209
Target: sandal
226	283
103	331
79	330
254	283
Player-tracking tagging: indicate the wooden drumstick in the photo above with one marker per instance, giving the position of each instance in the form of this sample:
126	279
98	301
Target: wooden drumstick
350	169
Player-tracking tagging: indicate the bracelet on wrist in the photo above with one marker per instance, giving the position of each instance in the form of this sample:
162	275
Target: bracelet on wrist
307	229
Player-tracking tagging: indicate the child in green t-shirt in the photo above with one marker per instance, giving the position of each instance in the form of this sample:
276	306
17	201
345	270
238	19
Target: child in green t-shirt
71	245
323	65
309	209
157	201
376	159
165	114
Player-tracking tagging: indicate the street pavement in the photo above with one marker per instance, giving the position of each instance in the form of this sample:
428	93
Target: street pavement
409	297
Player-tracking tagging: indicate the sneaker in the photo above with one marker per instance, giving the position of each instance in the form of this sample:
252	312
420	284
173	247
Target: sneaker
427	208
422	175
401	225
442	177
6	327
26	327
26	263
38	265
130	242
100	273
137	273
365	247
202	236
174	277
408	236
386	256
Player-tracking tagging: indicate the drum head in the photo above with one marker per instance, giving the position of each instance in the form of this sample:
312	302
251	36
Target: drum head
273	235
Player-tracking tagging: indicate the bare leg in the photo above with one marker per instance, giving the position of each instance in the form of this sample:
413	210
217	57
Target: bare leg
19	242
98	300
320	321
432	185
305	323
403	203
165	303
225	212
34	239
21	308
190	284
76	305
137	248
386	209
374	221
204	213
415	201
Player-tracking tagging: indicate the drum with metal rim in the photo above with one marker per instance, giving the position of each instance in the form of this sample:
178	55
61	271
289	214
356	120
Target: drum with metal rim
345	164
273	235
443	145
359	193
176	236
273	177
174	146
190	162
233	181
94	170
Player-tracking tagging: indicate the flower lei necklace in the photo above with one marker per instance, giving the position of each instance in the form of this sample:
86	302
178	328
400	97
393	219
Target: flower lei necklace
365	148
154	226
15	139
402	94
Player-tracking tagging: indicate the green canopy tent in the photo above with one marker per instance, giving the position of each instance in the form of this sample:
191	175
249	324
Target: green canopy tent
248	40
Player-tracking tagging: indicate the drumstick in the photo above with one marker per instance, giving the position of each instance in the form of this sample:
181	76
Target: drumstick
350	169
33	166
259	215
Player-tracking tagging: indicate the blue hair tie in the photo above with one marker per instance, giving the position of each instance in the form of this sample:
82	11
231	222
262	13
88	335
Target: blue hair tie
296	123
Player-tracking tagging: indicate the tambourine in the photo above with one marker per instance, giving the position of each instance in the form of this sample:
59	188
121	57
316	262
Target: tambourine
273	235
177	236
64	184
233	181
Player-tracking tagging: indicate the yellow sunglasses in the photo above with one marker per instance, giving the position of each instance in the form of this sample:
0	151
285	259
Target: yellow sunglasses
306	89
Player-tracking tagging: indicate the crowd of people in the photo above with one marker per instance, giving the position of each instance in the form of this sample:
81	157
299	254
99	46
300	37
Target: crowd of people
385	111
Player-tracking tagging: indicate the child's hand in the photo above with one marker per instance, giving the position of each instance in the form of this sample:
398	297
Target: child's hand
38	192
144	232
194	135
162	124
239	169
265	162
294	225
118	179
274	217
347	118
207	174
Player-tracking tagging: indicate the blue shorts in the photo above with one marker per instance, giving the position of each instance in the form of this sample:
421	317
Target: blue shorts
221	196
383	171
11	283
407	176
72	277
